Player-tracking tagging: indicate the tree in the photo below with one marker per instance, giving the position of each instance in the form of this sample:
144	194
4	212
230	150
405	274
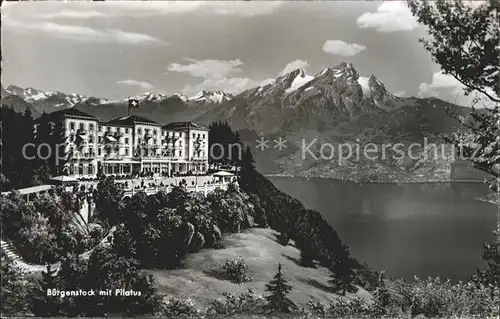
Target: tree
464	42
15	290
306	257
223	143
43	304
19	161
108	199
342	274
382	298
247	171
103	271
491	255
277	300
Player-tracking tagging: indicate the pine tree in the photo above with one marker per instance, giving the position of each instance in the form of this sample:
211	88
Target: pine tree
44	305
277	300
306	253
342	276
381	297
247	171
306	258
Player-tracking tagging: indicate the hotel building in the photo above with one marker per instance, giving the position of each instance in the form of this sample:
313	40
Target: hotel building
128	145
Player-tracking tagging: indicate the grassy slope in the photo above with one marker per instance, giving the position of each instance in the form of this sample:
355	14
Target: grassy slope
262	254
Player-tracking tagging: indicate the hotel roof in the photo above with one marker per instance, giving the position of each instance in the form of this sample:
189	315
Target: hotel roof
132	119
184	125
68	113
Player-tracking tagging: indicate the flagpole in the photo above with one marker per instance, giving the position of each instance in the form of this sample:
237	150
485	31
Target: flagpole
128	107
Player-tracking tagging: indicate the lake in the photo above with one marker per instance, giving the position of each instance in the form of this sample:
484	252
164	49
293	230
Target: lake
427	229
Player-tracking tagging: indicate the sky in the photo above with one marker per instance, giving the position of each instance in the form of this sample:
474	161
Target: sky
116	49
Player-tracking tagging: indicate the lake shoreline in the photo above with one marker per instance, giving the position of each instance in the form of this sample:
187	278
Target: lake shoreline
423	181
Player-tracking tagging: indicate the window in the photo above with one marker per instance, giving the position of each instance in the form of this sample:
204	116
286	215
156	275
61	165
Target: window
80	169
127	151
139	131
99	139
194	135
109	128
180	153
99	151
71	169
72	138
154	141
91	126
154	132
126	140
127	130
90	170
72	125
91	139
82	126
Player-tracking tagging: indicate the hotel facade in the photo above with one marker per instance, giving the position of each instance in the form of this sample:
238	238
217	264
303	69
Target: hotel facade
127	145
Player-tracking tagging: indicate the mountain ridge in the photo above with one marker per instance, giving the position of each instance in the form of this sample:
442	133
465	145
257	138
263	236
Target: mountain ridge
336	106
157	105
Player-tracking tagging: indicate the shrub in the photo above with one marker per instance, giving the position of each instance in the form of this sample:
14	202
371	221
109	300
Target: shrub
180	308
246	303
236	269
283	239
435	298
316	307
343	308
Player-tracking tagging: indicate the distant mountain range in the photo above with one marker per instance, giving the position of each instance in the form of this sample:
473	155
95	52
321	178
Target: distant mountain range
336	106
159	106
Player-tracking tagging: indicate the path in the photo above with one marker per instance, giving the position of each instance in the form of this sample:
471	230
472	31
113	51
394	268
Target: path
11	254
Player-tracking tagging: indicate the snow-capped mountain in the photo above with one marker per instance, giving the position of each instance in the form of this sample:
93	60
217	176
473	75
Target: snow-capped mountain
333	95
216	97
148	97
49	101
155	105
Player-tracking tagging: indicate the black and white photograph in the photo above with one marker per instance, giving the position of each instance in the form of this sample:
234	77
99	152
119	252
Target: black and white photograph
250	159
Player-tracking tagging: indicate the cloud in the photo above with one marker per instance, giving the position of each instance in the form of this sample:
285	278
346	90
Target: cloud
294	65
81	33
141	84
446	87
340	47
72	14
207	68
85	10
216	74
244	8
391	16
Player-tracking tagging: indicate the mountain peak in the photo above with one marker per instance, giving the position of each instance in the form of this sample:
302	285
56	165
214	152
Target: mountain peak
375	85
211	97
